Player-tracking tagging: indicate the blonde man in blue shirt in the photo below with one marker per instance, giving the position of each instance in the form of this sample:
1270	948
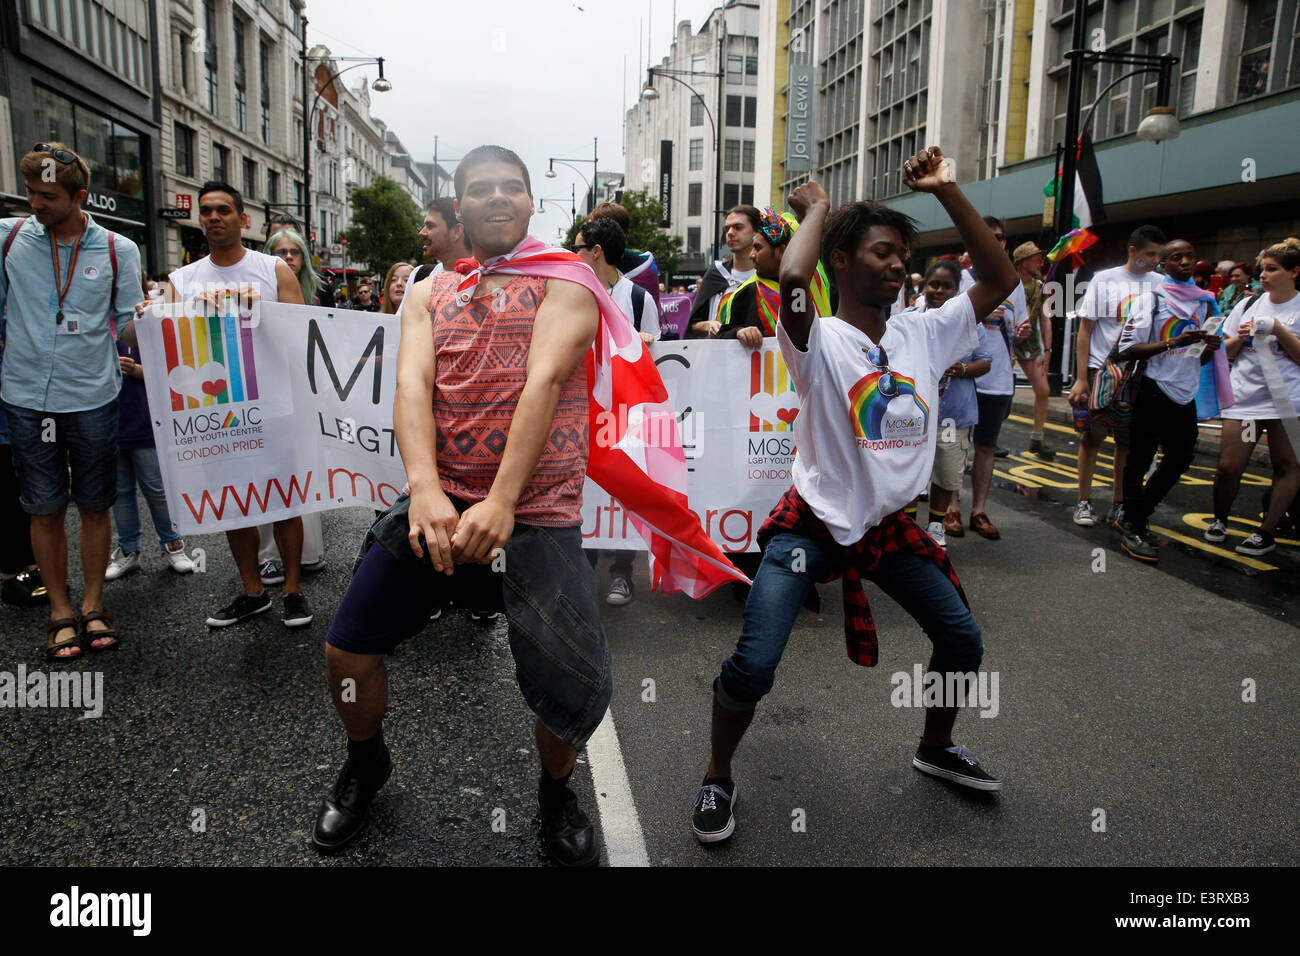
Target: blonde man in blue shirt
65	280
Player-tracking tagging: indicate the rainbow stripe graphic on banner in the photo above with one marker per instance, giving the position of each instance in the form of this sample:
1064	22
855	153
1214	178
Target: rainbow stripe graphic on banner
209	362
868	405
768	376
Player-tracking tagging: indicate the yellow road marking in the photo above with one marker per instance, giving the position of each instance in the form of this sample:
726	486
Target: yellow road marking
1221	552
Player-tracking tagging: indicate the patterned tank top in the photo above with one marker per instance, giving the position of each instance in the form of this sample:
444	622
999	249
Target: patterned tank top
481	351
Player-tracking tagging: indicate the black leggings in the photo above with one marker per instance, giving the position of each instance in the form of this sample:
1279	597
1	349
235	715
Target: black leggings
15	525
1158	422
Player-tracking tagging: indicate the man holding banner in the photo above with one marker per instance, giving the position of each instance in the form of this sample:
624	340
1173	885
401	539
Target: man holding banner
498	387
232	273
865	433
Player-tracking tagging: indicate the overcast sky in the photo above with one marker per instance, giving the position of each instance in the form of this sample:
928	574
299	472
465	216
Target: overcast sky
542	77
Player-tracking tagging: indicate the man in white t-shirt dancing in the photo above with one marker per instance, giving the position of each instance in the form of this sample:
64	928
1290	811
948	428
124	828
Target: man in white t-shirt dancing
866	432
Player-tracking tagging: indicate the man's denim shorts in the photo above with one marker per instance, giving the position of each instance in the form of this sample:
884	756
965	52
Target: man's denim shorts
46	445
547	590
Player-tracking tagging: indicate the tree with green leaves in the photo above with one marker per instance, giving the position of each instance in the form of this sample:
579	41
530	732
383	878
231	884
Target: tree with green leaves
646	234
385	225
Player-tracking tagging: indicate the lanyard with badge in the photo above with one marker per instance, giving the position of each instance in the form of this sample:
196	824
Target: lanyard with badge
72	327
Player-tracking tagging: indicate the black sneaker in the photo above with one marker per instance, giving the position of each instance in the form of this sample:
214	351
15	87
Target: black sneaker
1038	448
1001	452
242	607
1261	542
483	617
297	612
570	838
271	573
713	820
956	764
343	813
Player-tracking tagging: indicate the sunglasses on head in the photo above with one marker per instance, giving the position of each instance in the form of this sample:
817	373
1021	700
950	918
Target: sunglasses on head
65	156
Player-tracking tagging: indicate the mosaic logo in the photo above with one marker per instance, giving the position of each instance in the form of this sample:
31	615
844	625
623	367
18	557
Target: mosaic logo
886	405
209	362
773	403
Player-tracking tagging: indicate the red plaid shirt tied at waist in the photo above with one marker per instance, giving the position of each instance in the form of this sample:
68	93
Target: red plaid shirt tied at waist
896	532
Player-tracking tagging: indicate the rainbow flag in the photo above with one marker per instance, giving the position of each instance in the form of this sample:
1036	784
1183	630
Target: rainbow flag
1071	244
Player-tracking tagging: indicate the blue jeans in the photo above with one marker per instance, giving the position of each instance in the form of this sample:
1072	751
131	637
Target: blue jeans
140	465
48	446
916	583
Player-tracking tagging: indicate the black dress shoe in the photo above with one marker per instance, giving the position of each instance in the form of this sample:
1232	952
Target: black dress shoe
569	835
25	589
343	814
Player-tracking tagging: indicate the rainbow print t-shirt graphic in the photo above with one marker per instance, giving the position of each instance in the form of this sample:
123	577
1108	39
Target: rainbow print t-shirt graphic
1176	325
877	416
209	362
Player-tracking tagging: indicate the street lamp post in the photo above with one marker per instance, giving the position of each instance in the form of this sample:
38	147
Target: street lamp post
573	203
1160	123
649	93
595	171
380	85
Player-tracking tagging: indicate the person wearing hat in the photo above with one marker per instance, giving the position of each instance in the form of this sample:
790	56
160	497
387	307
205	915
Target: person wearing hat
1034	351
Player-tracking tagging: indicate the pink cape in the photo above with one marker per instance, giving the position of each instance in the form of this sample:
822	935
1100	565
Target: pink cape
644	467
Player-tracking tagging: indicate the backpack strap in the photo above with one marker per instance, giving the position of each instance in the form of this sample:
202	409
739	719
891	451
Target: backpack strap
638	305
112	295
9	241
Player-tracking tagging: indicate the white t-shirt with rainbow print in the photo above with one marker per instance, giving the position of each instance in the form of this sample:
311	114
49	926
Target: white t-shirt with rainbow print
868	423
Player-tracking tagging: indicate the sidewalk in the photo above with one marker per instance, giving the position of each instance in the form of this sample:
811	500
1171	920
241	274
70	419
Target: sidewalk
1059	413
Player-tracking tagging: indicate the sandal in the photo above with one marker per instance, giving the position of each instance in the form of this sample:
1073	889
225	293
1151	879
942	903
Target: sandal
88	636
52	646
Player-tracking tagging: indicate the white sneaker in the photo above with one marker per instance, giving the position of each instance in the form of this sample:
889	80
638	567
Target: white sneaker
1217	532
1083	514
180	561
120	565
935	530
620	592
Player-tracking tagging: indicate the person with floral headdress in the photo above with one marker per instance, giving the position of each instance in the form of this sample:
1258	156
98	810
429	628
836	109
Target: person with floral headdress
750	313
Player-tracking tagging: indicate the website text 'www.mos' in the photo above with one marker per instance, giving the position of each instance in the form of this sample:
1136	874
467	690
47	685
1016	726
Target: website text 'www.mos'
258	497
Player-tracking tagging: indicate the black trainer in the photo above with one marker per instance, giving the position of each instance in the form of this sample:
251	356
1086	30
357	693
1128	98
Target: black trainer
1261	542
241	608
343	813
570	838
956	764
713	820
297	612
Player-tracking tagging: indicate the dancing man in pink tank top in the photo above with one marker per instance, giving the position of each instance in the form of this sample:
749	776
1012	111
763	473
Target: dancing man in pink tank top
491	419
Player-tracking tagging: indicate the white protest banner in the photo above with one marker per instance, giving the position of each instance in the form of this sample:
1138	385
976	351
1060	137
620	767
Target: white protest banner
737	409
271	412
286	409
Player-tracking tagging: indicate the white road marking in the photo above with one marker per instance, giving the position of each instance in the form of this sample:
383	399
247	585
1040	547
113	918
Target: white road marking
619	823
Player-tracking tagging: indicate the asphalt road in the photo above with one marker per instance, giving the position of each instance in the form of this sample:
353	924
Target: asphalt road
1120	691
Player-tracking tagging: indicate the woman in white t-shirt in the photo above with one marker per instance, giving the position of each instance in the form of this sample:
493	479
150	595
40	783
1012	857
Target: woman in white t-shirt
866	433
1256	407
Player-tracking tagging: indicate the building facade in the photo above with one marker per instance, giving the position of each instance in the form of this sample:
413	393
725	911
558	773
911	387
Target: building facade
987	81
231	110
86	75
406	170
726	46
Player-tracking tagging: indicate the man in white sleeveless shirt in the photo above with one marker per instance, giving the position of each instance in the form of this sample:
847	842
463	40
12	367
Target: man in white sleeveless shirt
229	265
